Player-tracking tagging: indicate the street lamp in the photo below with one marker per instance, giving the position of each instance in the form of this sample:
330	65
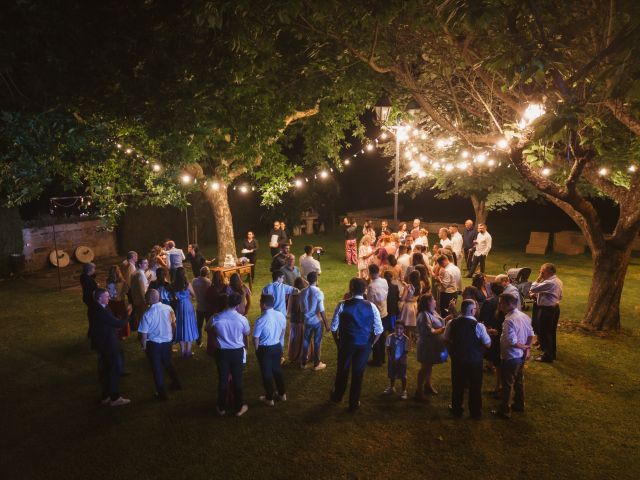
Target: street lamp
382	110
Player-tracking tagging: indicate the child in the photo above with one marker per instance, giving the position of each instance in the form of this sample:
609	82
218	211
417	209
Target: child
398	345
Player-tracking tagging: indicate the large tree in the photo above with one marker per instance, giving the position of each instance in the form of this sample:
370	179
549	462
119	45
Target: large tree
556	81
212	89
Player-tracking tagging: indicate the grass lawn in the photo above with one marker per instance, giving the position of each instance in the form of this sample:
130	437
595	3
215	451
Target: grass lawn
582	419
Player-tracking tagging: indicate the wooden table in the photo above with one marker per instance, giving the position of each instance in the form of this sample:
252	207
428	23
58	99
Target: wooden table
239	269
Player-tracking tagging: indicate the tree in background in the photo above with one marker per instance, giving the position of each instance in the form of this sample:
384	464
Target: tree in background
549	86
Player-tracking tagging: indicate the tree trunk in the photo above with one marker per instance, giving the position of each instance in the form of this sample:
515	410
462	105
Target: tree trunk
480	209
219	202
609	270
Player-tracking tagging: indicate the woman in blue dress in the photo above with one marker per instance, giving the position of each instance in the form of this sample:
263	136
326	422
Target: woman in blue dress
186	325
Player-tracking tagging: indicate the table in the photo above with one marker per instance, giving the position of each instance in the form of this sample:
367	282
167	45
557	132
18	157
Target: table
239	269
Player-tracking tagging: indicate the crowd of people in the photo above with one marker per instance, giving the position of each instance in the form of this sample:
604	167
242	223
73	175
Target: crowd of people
405	294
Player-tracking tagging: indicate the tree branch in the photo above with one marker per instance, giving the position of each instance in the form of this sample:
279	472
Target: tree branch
623	115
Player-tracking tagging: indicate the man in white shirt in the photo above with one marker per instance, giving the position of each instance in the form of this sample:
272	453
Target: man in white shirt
156	335
456	244
268	340
377	292
309	264
547	289
404	260
312	304
515	345
443	238
449	283
415	231
175	257
483	246
467	340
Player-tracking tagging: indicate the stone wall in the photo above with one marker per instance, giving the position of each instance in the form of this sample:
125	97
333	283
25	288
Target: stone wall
38	242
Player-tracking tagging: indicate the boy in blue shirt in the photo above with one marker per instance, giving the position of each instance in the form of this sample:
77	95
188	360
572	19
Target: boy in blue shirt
398	346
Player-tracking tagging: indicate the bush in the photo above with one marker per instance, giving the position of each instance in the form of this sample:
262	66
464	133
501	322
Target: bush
10	238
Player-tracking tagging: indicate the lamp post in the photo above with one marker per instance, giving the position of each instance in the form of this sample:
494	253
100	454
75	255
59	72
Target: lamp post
382	110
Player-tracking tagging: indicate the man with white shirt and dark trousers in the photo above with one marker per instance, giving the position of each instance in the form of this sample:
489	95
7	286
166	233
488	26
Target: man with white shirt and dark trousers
482	247
377	292
312	304
467	340
356	326
456	244
449	283
268	340
156	336
515	345
548	292
231	330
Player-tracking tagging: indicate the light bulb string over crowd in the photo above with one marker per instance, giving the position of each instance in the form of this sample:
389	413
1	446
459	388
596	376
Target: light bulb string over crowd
471	158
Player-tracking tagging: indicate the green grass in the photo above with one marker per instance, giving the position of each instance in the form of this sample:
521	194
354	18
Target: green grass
581	422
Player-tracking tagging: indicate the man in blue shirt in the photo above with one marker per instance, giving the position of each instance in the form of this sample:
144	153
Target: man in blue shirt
268	339
279	291
312	305
156	336
356	326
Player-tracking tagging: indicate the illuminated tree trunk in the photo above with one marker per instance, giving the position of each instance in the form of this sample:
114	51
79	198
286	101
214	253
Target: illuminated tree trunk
219	202
480	208
609	270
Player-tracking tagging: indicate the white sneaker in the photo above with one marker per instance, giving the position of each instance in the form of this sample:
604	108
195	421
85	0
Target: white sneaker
389	390
120	401
404	395
320	366
242	411
220	412
264	400
282	398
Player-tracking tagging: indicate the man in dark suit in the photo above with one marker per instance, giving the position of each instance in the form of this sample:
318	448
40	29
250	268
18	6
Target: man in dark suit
469	234
356	326
104	328
467	340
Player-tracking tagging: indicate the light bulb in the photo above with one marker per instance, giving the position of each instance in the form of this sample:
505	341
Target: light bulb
186	178
215	186
603	171
533	111
383	136
324	174
448	167
244	189
156	167
298	183
369	147
546	171
347	161
491	162
633	168
464	154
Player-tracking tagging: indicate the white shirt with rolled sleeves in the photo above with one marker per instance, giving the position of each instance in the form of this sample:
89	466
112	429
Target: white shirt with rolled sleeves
377	322
450	279
312	303
230	327
510	289
309	264
377	293
270	327
481	332
483	244
156	323
515	329
549	291
456	245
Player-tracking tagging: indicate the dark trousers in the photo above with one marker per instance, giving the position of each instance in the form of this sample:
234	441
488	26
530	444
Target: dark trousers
467	258
466	375
535	320
269	361
159	355
316	332
354	358
201	317
252	259
512	372
444	300
548	321
229	361
109	374
475	261
378	353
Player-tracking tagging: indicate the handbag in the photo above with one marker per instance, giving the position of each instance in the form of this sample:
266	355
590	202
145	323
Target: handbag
444	355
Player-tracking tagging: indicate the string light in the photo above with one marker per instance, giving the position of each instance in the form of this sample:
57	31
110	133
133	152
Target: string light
156	167
128	151
324	174
347	161
215	185
186	178
383	136
502	143
464	154
369	147
546	171
481	158
491	162
633	168
448	167
244	189
298	183
603	172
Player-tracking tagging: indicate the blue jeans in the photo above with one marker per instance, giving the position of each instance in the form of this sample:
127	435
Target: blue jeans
316	331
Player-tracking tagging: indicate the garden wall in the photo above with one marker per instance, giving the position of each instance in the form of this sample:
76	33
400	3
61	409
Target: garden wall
38	242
